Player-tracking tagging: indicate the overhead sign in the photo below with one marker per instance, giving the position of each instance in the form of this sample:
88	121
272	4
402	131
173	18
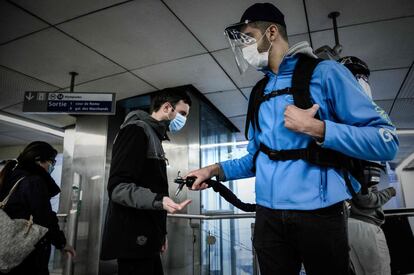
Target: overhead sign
69	103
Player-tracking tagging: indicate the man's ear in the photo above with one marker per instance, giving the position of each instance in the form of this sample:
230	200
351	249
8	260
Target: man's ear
273	32
165	106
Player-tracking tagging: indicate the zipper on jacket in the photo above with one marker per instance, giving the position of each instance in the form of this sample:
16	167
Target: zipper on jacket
322	190
273	134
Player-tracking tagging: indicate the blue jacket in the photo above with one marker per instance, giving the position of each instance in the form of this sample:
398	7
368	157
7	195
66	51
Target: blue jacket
354	125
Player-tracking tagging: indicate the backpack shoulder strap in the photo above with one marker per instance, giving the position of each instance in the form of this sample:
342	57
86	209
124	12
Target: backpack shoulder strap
254	101
301	78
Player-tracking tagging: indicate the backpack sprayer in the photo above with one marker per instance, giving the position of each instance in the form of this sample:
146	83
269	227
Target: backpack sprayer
218	187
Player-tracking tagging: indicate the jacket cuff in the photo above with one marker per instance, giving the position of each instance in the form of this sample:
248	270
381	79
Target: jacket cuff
329	138
221	176
157	202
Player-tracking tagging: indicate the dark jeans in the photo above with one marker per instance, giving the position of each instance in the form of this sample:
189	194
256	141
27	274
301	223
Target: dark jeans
283	239
147	266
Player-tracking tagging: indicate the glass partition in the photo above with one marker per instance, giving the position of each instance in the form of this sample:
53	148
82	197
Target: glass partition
226	243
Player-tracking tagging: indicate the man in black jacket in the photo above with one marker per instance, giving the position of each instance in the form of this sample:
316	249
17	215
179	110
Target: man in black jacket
135	227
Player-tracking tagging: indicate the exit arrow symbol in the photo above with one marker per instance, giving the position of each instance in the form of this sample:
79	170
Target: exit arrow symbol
29	96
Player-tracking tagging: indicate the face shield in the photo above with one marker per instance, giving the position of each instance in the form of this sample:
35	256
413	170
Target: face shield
363	81
238	41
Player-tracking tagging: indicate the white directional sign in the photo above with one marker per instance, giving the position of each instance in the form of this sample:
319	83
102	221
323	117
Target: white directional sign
69	103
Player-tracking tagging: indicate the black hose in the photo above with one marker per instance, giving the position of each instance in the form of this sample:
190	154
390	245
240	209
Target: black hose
229	196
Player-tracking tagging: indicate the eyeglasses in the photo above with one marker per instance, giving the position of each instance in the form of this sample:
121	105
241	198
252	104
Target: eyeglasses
52	161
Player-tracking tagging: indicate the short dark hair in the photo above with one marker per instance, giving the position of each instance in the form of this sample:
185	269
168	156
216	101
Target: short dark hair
171	95
264	25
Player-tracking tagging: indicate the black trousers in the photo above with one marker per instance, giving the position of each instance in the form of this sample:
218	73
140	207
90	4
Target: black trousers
284	239
144	266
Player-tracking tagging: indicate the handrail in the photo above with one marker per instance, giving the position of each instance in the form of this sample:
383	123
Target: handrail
387	212
399	212
212	217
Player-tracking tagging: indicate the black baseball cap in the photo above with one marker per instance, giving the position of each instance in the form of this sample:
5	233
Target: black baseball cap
260	12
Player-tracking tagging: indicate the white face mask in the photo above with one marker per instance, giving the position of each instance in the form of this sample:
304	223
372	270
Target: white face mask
254	57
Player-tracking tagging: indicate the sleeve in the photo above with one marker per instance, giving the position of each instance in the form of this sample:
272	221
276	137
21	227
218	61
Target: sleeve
41	210
375	199
131	195
242	167
128	157
361	128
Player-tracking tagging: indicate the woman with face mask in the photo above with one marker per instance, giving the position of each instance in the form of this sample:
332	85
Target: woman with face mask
32	198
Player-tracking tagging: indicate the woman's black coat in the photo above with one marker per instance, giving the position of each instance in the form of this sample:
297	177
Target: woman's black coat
32	197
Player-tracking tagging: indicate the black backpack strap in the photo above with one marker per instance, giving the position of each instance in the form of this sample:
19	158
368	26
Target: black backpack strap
253	107
285	91
301	79
348	182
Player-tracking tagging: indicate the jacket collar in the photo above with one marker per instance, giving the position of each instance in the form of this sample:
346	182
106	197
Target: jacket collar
24	170
160	127
289	60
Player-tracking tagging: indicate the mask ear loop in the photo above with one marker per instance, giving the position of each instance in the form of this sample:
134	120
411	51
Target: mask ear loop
271	42
173	109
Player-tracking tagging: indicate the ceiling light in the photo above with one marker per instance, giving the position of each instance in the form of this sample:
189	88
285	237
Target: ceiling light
31	125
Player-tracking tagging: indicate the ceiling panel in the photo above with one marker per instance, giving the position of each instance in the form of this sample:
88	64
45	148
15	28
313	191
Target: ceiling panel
385	84
239	122
385	105
402	114
50	55
230	103
57	11
407	90
56	120
208	19
293	39
124	85
405	147
135	34
14	22
200	71
12	134
382	45
355	11
13	85
246	92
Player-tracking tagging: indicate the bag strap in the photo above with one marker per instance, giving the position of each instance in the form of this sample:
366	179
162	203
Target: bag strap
6	199
301	78
252	117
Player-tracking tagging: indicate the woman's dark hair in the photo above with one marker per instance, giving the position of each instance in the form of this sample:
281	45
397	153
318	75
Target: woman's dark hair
170	95
35	151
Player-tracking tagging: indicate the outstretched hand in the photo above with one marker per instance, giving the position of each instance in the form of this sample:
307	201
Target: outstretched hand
172	207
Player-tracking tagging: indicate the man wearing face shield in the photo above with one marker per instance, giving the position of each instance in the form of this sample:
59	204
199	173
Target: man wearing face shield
368	247
135	226
300	215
